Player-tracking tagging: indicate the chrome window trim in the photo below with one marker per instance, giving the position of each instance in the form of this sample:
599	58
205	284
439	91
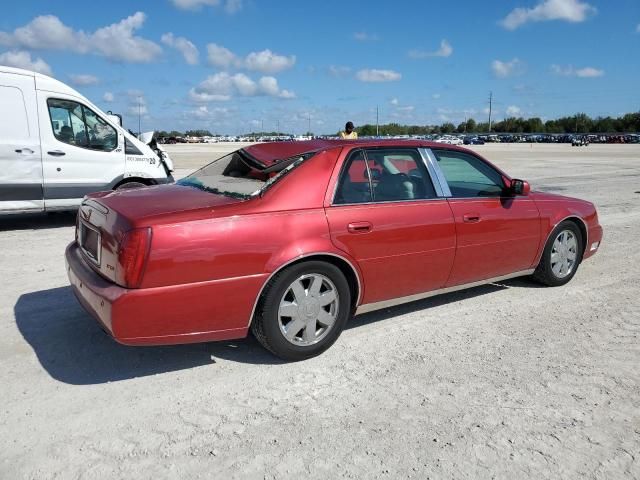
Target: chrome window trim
370	307
293	260
383	202
435	170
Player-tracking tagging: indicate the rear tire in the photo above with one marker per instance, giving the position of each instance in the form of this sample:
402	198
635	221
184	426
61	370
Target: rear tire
302	310
561	256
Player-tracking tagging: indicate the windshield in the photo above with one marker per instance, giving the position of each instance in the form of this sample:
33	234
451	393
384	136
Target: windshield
239	175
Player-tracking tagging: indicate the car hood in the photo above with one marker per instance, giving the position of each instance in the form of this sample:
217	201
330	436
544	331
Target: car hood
162	203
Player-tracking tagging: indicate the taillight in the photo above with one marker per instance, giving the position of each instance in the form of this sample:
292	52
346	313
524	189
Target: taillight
132	257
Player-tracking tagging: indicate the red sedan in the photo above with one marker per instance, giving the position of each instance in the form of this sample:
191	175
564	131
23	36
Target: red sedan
292	239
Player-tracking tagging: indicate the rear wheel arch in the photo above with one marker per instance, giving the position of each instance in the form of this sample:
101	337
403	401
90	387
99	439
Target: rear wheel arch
346	267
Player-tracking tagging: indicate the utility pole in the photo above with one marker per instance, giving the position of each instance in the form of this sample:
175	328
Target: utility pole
490	106
139	115
377	123
309	129
278	125
465	123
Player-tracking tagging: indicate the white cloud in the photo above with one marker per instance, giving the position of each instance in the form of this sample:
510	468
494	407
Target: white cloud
375	75
339	71
223	86
108	97
83	80
230	6
570	71
220	56
116	41
268	62
513	111
203	112
506	69
568	10
394	101
22	59
264	61
184	46
406	109
365	37
638	28
436	96
445	50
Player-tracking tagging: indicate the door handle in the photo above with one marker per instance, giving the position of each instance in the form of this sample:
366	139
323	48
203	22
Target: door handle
471	217
26	151
56	153
359	227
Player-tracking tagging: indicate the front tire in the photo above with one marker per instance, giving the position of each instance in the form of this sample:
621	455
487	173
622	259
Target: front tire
303	310
561	257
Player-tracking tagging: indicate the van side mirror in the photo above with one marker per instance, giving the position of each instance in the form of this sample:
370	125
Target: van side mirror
519	187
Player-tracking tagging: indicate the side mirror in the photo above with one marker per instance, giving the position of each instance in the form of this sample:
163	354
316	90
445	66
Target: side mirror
519	187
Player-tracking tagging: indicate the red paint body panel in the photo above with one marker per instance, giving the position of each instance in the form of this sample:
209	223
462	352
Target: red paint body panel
504	238
409	249
211	255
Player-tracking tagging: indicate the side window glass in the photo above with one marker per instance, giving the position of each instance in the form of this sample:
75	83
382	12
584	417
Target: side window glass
399	174
77	125
354	185
102	136
468	176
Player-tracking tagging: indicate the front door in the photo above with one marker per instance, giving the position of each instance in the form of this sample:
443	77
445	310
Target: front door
385	214
497	233
82	153
20	160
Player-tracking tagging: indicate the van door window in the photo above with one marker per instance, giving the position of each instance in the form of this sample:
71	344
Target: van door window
75	124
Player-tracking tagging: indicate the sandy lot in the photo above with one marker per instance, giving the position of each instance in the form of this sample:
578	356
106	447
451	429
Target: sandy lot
502	381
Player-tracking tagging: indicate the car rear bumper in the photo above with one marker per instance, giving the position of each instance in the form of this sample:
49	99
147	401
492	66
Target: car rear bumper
199	312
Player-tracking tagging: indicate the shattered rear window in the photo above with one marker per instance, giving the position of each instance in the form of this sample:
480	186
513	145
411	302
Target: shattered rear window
238	175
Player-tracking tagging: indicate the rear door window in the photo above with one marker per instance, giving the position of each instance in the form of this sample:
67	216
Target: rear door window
399	174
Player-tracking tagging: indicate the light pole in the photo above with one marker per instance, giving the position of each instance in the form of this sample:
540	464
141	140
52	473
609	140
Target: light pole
139	114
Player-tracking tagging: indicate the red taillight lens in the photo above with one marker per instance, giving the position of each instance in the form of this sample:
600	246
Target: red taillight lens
132	257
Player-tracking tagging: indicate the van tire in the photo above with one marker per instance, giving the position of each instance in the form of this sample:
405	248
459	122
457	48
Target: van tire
127	185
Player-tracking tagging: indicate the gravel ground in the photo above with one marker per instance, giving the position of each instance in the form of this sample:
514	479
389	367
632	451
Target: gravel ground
503	381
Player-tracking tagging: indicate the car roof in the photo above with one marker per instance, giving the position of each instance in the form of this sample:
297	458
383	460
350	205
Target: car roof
270	153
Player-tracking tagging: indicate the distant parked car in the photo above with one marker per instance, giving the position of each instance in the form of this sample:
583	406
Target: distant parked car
580	141
291	239
473	140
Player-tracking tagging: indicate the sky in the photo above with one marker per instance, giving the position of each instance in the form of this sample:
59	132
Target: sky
236	66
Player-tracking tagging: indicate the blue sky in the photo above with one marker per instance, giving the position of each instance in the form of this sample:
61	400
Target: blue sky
233	66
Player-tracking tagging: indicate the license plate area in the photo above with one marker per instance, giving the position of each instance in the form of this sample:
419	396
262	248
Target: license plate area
89	238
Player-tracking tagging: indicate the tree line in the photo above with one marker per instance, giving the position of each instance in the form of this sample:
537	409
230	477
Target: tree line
580	123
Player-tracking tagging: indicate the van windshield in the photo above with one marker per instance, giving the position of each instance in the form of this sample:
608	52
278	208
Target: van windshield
239	175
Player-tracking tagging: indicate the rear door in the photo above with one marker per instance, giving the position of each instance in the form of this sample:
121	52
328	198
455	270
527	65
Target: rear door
498	233
20	159
82	152
386	215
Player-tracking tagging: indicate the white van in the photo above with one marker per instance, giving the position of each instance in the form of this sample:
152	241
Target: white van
56	146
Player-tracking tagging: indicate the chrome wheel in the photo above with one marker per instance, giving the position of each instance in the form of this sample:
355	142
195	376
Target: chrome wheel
564	254
308	309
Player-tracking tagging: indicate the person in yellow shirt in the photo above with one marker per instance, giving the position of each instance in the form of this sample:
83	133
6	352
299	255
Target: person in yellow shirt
349	133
